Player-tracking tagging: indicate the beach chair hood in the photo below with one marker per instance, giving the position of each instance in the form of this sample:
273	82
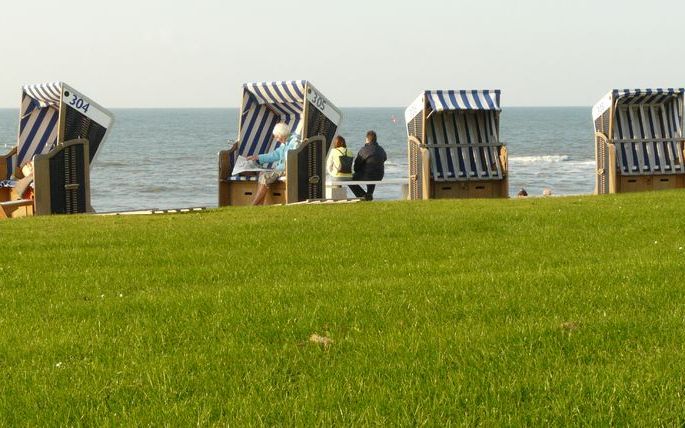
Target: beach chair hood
53	113
267	103
645	126
454	100
622	97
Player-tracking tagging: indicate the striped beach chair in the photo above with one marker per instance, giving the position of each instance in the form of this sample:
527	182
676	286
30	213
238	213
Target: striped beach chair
297	103
60	130
454	146
639	140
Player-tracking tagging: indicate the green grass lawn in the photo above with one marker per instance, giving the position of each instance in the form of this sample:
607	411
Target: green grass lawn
540	311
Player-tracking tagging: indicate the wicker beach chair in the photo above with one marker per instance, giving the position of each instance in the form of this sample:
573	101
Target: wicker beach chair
639	140
60	130
263	106
454	146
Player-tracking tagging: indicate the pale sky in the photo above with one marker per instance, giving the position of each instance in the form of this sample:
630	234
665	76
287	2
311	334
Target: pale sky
197	53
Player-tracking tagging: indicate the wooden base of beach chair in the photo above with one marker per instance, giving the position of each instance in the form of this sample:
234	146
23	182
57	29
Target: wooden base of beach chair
240	193
5	194
224	193
648	183
469	189
9	194
16	209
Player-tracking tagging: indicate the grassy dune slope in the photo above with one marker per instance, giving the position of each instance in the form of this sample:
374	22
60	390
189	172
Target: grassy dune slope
560	310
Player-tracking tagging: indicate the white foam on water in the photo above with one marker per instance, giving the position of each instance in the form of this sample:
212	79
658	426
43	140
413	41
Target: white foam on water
538	159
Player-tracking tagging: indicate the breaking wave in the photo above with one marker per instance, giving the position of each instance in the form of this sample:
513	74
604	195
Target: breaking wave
538	159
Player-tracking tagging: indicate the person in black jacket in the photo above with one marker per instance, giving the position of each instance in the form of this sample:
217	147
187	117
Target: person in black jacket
368	166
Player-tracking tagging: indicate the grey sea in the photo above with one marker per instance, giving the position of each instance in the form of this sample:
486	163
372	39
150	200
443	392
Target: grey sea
167	158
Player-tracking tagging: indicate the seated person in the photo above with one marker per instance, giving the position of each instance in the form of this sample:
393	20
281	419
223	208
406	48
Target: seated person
340	158
278	157
24	180
369	166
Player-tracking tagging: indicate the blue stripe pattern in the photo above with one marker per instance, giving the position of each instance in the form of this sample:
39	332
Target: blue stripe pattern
264	105
40	111
649	114
646	96
243	178
478	157
248	178
464	100
46	94
37	128
462	146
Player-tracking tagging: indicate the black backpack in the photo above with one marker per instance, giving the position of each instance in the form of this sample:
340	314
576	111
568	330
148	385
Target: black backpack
346	162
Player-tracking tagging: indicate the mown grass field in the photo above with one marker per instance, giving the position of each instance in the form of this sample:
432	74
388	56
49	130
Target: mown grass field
540	311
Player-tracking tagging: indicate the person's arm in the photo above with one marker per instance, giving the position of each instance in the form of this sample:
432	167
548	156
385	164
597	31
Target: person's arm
21	185
330	162
272	156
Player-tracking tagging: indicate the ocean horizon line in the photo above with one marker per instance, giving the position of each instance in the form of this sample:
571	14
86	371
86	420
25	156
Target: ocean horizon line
342	107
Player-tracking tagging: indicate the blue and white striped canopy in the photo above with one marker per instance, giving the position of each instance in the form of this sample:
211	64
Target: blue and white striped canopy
286	98
645	96
635	96
464	100
647	128
455	100
464	146
45	94
264	105
38	120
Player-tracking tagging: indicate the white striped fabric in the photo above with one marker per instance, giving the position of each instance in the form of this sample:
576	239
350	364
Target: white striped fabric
649	114
249	178
37	126
282	92
243	178
46	94
264	105
655	121
633	96
464	100
464	145
645	96
40	112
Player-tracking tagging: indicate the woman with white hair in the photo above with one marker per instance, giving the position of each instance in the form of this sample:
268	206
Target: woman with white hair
277	156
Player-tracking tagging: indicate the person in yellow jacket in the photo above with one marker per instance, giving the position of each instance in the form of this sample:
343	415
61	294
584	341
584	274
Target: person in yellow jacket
340	160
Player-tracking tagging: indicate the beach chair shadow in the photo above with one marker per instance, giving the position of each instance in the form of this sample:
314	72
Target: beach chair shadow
639	140
60	131
263	106
454	147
